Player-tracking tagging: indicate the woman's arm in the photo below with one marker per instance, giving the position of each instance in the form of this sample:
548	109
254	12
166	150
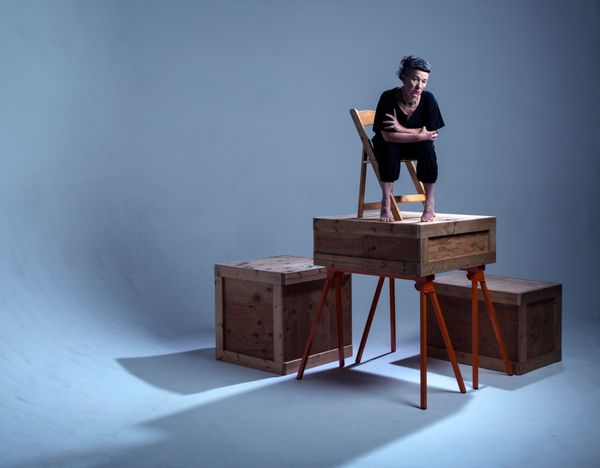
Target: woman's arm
410	135
396	133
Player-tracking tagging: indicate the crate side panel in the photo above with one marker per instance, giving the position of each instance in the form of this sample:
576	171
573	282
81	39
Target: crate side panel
457	245
248	318
457	314
541	338
349	244
300	302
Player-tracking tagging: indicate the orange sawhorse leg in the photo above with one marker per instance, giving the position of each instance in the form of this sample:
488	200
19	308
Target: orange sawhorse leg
374	303
338	312
392	315
425	285
313	328
365	335
476	275
475	333
423	340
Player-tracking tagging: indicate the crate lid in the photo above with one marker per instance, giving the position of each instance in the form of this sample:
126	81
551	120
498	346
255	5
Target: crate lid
502	289
281	269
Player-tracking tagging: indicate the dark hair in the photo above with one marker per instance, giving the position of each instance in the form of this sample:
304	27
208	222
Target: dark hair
412	62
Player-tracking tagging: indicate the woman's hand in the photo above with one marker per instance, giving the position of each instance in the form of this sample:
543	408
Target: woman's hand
427	135
392	124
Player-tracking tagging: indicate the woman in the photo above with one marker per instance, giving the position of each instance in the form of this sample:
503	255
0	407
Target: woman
406	124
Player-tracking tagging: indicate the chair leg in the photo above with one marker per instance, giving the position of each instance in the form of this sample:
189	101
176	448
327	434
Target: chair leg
313	328
423	340
340	319
395	210
392	315
362	185
365	334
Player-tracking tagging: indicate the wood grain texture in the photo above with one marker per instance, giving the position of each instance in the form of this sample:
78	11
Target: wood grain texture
248	318
281	269
369	246
457	313
457	245
278	325
502	289
316	359
299	307
218	316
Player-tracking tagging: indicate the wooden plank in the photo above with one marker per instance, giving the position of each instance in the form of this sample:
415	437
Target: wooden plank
557	311
248	321
409	198
397	215
278	326
371	206
502	289
367	265
468	261
218	317
250	361
445	225
316	359
496	364
365	245
282	269
366	226
522	332
457	245
411	225
540	328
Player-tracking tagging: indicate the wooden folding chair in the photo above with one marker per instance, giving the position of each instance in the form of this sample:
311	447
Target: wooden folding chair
361	120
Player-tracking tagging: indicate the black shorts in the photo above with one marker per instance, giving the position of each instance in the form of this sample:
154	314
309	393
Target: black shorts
390	156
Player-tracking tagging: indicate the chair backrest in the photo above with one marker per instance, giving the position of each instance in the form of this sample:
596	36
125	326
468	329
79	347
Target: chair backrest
361	119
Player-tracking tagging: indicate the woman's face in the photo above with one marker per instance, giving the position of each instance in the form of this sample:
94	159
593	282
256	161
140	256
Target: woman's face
415	82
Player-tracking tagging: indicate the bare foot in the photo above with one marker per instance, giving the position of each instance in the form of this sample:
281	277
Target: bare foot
428	206
428	213
386	211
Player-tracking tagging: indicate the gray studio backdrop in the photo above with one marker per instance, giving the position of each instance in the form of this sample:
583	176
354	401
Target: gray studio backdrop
143	141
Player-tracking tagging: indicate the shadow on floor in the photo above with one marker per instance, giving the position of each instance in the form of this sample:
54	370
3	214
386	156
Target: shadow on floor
329	418
486	377
189	372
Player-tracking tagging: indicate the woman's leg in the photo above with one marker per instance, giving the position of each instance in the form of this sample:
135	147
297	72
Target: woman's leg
388	160
427	172
429	205
386	204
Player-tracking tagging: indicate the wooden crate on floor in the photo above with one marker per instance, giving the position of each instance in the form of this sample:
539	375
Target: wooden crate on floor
408	247
264	309
529	314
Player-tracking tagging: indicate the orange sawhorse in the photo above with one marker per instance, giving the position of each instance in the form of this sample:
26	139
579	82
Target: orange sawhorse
476	276
424	285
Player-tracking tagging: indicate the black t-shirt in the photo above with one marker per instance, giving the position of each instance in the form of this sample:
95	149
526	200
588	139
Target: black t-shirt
427	114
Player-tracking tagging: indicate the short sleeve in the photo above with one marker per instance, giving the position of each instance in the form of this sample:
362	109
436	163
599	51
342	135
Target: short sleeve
384	106
434	120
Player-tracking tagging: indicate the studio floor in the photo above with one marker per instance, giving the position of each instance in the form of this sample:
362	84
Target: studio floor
118	398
